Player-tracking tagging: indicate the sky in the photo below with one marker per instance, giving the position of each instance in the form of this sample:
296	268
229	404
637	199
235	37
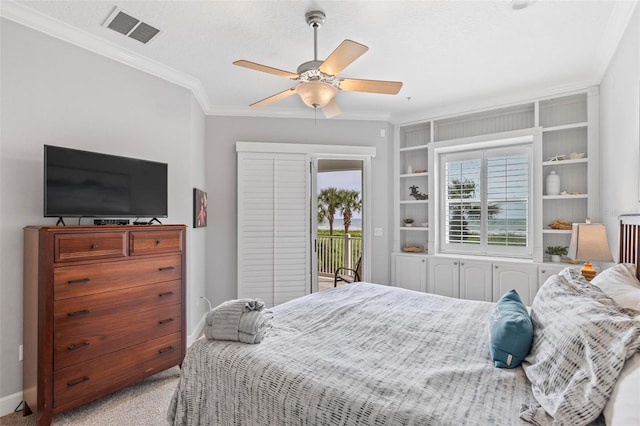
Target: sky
342	180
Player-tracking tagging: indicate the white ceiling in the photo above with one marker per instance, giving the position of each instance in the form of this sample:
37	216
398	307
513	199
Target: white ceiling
446	52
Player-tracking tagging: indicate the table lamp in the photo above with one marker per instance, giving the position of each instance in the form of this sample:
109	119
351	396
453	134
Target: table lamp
589	242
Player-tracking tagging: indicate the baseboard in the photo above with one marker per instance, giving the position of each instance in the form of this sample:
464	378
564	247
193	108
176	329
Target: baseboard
9	403
197	331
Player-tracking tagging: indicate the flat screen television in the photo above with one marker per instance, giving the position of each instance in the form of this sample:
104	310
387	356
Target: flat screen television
89	184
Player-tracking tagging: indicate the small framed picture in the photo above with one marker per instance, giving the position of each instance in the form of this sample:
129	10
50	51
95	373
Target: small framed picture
199	208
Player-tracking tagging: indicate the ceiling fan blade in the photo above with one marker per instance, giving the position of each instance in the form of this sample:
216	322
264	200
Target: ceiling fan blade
372	86
264	68
331	109
273	98
347	52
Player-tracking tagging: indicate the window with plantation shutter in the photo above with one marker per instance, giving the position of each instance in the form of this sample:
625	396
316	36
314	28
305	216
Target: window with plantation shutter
486	201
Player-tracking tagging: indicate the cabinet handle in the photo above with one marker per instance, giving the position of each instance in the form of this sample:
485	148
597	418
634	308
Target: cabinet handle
78	313
168	293
544	271
167	268
94	246
78	381
81	280
165	321
422	260
81	345
495	266
167	349
455	263
461	263
157	242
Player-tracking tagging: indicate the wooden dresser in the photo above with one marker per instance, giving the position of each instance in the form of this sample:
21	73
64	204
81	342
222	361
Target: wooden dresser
104	307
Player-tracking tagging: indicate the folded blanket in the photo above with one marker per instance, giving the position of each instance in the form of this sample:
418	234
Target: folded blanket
241	320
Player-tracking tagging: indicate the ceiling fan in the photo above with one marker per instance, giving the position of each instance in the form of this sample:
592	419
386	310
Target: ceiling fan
318	83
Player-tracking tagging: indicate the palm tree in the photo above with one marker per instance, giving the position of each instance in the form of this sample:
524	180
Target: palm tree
460	214
350	202
328	202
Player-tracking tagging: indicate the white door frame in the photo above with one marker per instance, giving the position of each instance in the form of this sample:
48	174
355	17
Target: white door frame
345	152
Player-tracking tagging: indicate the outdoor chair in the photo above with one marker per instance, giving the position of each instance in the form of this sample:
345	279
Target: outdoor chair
348	275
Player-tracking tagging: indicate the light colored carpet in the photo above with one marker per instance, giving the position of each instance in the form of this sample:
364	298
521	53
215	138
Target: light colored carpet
141	404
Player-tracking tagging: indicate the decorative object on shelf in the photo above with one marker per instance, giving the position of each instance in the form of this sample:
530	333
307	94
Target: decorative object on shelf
199	208
553	183
408	222
424	224
417	194
555	252
558	157
589	242
420	171
576	155
560	224
409	169
411	248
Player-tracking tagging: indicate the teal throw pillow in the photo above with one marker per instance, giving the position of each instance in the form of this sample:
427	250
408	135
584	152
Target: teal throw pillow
511	331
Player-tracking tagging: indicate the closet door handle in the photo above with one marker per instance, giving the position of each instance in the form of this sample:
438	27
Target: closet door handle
94	246
166	268
78	381
168	293
166	321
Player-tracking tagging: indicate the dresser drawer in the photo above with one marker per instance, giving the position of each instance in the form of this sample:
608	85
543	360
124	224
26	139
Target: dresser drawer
80	280
104	332
134	299
152	242
89	380
90	245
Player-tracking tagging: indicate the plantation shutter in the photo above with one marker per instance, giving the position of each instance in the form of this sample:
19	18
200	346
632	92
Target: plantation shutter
273	226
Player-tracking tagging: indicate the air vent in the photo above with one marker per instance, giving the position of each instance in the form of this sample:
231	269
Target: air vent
124	23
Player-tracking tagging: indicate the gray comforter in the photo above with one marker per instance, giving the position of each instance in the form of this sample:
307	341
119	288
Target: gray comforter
362	354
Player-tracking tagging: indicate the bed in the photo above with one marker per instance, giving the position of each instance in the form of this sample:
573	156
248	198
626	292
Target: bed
368	354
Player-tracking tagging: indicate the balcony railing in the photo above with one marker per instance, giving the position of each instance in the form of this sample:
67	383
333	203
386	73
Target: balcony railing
337	251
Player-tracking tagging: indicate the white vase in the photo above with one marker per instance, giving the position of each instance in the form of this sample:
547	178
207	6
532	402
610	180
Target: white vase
553	183
555	258
409	169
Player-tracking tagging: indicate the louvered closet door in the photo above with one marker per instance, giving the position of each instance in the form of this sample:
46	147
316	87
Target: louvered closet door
273	226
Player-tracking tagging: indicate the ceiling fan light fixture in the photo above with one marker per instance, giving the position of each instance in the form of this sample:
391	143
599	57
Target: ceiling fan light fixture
316	94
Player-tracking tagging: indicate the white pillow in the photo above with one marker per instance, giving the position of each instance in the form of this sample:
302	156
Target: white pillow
620	283
623	408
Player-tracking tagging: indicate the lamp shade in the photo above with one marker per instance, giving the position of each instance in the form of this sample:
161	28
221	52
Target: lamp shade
589	242
316	94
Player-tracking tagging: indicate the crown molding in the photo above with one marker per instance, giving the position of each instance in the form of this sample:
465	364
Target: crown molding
38	21
471	107
302	112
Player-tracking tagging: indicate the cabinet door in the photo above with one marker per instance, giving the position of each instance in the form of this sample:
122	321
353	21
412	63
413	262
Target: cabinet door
475	280
444	277
522	278
410	272
544	272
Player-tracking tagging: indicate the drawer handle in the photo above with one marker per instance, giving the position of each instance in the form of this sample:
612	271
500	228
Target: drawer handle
94	246
167	268
165	321
78	381
167	349
78	313
157	242
81	280
168	293
81	345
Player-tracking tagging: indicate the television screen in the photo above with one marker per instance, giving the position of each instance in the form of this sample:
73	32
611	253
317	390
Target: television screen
89	184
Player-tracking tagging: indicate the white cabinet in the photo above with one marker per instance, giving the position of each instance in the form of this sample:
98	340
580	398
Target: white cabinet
547	270
412	193
444	277
570	149
521	277
476	280
410	271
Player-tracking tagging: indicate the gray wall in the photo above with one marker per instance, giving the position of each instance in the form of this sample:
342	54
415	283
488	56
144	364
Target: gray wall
619	133
222	134
56	93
